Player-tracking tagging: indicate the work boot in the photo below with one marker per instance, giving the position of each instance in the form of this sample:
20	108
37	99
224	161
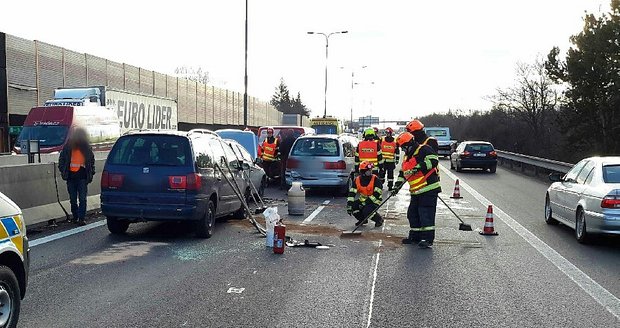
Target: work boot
360	222
81	223
378	220
408	241
425	244
378	223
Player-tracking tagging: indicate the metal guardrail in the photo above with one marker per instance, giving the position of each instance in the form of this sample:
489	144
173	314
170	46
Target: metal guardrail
536	162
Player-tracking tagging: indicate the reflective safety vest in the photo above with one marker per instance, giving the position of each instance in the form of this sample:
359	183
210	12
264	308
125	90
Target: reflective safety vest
367	151
367	191
77	160
388	150
269	150
417	180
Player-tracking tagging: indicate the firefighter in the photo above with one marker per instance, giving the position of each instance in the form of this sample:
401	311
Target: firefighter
416	128
367	186
419	169
391	156
369	150
270	154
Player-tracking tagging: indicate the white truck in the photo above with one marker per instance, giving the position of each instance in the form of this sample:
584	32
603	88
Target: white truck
442	135
135	111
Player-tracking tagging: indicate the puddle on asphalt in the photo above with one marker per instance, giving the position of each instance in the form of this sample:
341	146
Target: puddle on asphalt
119	252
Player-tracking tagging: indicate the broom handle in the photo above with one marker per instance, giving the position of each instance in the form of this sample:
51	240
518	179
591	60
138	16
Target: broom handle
374	211
457	216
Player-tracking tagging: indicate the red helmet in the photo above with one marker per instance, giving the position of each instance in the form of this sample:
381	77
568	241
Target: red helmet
404	138
414	125
389	130
366	165
376	130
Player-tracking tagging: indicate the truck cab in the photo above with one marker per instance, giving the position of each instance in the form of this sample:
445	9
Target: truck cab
442	135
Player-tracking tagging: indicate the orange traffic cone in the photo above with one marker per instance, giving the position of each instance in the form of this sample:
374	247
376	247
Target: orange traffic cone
489	229
457	190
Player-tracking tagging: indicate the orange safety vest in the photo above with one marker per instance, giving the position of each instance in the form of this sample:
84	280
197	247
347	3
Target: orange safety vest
367	191
388	149
415	178
77	160
269	150
367	151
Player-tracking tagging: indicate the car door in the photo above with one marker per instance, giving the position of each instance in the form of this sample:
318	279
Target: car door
226	193
237	174
568	192
256	172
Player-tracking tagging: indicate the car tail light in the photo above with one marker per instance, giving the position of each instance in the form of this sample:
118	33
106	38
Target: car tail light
465	154
191	181
194	181
493	153
292	163
611	201
111	180
340	165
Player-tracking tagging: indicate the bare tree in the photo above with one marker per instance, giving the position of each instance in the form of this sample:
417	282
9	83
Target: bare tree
193	74
532	99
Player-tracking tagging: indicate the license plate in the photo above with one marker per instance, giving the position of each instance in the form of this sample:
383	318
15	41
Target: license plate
480	155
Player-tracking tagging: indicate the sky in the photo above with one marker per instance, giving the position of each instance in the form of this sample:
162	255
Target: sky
421	57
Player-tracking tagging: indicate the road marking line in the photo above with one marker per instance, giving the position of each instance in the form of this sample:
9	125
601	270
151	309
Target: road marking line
316	212
374	282
67	233
610	302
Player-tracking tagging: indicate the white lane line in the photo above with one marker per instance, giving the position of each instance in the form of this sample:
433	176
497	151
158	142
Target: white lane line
610	302
316	212
67	233
374	275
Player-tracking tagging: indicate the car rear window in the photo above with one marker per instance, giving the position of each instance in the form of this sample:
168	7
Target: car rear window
479	147
437	133
316	147
151	150
611	173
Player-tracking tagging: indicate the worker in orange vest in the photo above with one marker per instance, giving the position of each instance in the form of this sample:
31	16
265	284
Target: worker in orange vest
368	189
270	154
76	164
369	150
416	128
419	170
391	156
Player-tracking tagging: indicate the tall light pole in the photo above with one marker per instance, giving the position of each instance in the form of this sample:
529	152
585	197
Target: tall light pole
352	91
245	76
327	35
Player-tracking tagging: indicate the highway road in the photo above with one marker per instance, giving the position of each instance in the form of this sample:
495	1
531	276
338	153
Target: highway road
530	275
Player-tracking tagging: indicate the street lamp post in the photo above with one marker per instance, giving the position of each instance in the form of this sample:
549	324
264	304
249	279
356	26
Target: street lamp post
245	76
326	35
353	92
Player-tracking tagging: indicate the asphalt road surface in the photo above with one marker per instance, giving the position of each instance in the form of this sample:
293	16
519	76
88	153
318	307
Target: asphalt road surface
159	275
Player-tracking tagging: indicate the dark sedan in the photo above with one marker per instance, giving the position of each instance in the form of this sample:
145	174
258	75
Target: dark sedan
474	154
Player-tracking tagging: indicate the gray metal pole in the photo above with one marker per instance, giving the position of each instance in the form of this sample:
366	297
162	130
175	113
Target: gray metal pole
326	61
245	77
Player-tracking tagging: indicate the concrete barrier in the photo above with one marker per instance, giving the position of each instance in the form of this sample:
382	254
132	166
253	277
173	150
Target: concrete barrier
32	188
10	160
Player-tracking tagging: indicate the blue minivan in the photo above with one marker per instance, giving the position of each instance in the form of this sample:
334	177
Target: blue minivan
170	176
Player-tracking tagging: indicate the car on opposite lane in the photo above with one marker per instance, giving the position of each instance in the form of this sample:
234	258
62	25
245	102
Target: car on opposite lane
474	154
170	176
322	161
587	198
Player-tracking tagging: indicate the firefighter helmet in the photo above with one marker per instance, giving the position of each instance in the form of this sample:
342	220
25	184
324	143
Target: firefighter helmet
369	132
366	165
414	125
404	138
389	130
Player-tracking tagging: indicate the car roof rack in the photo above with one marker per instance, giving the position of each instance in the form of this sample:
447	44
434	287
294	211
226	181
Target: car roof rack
202	131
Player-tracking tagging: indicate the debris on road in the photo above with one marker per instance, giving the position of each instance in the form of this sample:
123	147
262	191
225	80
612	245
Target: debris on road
235	290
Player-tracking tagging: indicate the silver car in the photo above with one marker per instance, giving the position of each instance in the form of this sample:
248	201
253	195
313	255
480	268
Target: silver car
587	198
256	173
322	161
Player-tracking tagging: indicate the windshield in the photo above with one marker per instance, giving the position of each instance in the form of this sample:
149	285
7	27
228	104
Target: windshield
48	135
325	129
611	174
150	150
316	147
74	93
479	147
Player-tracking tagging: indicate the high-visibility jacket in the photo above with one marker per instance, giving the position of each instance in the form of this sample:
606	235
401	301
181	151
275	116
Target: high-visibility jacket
270	150
77	160
371	192
420	182
389	150
369	150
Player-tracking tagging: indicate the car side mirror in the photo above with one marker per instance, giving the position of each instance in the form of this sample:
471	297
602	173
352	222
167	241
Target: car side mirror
555	177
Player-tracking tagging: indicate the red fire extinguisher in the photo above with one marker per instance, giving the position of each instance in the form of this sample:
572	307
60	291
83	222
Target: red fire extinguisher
279	232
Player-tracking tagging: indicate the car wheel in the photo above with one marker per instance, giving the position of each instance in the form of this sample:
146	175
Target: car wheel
116	226
493	169
10	300
344	190
204	226
549	213
581	232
